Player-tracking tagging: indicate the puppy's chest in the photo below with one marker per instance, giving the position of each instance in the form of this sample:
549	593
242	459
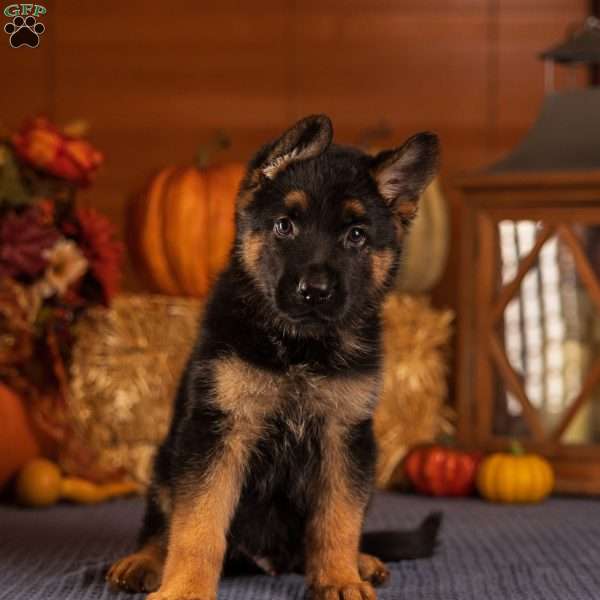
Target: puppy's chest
294	399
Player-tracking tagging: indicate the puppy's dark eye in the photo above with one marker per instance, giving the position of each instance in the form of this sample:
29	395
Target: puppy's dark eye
356	237
283	227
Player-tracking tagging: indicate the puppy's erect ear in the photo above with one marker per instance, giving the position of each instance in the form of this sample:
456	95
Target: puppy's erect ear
403	174
308	138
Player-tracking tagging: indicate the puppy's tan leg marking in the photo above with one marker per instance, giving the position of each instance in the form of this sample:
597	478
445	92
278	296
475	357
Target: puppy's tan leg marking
201	517
334	532
332	561
203	510
371	569
140	571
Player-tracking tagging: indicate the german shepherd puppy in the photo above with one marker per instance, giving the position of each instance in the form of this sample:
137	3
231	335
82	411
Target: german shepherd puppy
270	455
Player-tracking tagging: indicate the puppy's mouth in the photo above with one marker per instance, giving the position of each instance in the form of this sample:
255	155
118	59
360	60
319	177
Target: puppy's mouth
309	316
312	317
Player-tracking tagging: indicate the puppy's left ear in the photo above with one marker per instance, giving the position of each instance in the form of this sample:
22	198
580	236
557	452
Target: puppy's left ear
308	138
403	174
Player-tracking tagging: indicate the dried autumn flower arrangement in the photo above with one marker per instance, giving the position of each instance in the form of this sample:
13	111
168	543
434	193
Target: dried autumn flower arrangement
56	258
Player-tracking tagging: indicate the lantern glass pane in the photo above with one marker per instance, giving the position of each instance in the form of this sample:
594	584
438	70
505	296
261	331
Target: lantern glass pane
549	332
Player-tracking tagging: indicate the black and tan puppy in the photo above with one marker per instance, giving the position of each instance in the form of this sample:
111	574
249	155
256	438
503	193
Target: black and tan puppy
270	454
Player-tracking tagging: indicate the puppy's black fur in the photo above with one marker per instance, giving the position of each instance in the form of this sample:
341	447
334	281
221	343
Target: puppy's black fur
270	456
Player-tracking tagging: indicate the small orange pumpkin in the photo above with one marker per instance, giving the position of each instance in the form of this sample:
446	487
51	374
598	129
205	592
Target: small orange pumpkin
18	443
181	228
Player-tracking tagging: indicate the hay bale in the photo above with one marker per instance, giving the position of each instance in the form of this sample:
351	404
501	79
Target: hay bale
412	406
126	364
127	361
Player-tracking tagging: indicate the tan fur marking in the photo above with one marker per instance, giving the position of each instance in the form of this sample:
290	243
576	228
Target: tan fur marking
333	536
203	511
296	199
406	208
333	541
246	193
372	569
381	263
280	163
199	524
252	246
140	571
354	208
399	229
246	392
250	393
244	198
348	400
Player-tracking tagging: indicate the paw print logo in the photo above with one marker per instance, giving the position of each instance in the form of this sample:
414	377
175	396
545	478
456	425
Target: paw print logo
24	32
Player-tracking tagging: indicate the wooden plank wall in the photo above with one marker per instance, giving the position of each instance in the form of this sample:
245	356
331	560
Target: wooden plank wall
155	79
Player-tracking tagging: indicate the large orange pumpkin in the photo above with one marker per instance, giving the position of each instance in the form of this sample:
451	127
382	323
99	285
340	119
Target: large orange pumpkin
181	227
18	443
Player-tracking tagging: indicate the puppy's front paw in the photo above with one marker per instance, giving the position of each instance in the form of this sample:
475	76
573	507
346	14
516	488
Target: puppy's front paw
181	593
160	596
350	591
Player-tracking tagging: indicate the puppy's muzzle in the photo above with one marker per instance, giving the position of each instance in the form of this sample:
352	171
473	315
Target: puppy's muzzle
316	287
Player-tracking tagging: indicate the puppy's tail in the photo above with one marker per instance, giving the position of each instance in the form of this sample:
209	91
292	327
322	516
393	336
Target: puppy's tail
404	545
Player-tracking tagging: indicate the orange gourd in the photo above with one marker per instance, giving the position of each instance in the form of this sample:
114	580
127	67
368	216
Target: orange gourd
181	228
515	477
40	483
18	443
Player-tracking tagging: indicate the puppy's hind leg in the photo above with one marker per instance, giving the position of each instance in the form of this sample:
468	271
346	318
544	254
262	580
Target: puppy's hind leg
142	570
371	569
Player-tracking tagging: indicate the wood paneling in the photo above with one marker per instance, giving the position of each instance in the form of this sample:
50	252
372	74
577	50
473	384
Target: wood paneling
155	79
374	66
156	94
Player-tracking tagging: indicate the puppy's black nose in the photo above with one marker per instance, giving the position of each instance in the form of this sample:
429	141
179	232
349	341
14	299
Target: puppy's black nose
315	287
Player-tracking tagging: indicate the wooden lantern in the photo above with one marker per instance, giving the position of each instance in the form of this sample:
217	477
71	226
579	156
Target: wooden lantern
529	314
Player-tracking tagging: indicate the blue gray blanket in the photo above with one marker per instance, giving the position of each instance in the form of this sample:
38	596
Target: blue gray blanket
487	552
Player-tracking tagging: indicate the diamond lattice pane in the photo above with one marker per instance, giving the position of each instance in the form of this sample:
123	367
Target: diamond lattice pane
508	418
547	328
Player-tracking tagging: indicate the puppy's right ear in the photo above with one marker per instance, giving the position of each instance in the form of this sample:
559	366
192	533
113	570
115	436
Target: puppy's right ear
308	138
403	174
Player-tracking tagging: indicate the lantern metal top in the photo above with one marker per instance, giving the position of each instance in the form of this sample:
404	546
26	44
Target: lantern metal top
582	46
566	134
